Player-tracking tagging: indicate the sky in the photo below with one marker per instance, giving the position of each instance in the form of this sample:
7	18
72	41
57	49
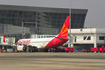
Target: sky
95	15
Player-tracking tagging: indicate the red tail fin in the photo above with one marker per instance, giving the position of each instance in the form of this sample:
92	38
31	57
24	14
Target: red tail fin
64	31
3	38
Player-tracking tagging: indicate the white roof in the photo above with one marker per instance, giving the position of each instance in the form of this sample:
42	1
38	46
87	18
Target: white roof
87	30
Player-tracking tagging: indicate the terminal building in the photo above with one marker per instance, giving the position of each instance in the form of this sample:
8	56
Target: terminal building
26	21
29	21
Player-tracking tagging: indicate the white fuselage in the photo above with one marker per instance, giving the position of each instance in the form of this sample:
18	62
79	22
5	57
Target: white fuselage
40	42
34	42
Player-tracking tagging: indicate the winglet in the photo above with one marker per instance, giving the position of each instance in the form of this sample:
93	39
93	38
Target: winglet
64	31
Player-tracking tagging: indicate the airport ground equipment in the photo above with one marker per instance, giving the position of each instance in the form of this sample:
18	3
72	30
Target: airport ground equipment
94	49
2	50
69	49
102	49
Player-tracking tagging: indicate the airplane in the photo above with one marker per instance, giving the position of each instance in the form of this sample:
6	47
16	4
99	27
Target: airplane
53	42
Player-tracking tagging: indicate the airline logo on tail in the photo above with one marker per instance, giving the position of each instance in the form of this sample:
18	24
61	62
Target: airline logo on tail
64	31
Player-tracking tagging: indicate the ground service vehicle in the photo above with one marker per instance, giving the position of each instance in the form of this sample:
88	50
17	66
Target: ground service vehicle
69	49
94	49
102	49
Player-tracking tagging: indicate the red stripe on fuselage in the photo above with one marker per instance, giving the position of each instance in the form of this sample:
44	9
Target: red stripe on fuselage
55	42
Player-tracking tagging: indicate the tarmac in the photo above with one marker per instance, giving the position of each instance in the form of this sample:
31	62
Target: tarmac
52	61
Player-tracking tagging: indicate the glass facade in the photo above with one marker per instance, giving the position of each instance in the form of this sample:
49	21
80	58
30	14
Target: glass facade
77	20
46	21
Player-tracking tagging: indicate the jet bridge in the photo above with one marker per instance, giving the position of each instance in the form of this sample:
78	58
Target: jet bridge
6	42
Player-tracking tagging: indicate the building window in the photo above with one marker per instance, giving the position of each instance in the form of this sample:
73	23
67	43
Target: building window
87	37
101	37
75	39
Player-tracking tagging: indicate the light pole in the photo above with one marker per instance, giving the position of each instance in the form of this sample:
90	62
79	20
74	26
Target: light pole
69	44
27	23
